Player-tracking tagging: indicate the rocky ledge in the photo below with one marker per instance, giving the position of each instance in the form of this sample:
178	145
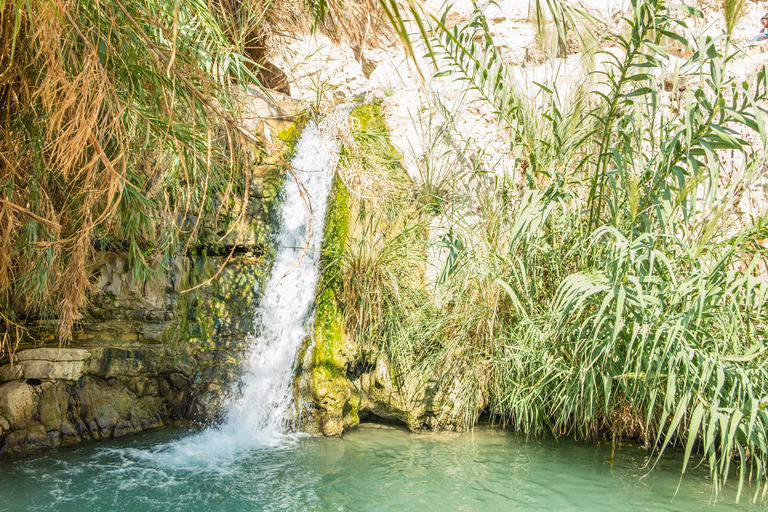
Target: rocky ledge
54	397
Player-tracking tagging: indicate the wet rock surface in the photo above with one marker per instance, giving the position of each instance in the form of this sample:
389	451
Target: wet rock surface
366	391
165	348
114	392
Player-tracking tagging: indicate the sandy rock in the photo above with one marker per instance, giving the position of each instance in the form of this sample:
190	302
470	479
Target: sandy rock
271	105
673	76
417	405
14	442
109	409
53	354
37	436
144	386
268	113
205	406
11	372
333	396
132	362
459	13
54	402
370	60
69	433
19	403
53	370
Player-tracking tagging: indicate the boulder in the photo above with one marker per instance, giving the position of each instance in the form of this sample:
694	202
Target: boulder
19	403
268	113
206	405
11	372
109	362
37	437
52	370
53	405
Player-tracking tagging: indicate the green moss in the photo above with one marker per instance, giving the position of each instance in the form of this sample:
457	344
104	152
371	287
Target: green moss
372	134
329	323
373	152
291	134
329	368
369	117
338	399
214	320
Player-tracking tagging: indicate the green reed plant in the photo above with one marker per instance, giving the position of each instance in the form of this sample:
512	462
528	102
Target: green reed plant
733	11
610	287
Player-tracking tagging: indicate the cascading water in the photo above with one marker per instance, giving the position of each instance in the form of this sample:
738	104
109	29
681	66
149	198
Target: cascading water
261	408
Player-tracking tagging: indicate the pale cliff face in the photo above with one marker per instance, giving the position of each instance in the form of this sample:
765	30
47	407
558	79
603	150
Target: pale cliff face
318	68
438	121
416	101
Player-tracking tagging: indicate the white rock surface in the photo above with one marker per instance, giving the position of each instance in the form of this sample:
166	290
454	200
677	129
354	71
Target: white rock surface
438	122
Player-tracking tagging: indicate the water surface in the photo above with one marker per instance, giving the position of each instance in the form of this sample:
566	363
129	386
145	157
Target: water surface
369	469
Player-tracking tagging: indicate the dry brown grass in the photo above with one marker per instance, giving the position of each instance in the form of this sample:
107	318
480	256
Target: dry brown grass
117	122
79	110
71	171
362	23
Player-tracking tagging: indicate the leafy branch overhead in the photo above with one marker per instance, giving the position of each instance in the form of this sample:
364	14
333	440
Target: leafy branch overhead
122	123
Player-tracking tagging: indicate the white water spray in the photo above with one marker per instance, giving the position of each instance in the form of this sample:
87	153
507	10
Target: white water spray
265	404
261	409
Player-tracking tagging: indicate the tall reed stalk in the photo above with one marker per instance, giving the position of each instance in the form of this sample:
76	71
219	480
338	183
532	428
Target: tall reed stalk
611	287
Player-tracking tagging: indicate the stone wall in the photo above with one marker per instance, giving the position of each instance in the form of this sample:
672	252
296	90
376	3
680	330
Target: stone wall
350	389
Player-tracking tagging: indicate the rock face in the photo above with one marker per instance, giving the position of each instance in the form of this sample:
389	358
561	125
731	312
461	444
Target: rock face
140	360
131	369
164	350
358	390
342	384
160	350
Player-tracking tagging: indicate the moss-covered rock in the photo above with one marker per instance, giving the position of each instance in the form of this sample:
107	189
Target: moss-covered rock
332	389
351	381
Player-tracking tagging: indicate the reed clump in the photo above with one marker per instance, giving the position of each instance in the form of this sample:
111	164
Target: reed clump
610	286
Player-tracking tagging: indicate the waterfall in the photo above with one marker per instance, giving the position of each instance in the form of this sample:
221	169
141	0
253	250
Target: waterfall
261	408
265	402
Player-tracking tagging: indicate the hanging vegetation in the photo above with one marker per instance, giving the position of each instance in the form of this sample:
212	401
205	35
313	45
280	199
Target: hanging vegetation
121	128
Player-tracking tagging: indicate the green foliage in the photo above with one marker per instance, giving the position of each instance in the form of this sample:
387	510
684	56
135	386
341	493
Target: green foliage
733	10
121	131
612	287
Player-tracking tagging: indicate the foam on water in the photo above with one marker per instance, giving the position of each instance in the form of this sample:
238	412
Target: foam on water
261	411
